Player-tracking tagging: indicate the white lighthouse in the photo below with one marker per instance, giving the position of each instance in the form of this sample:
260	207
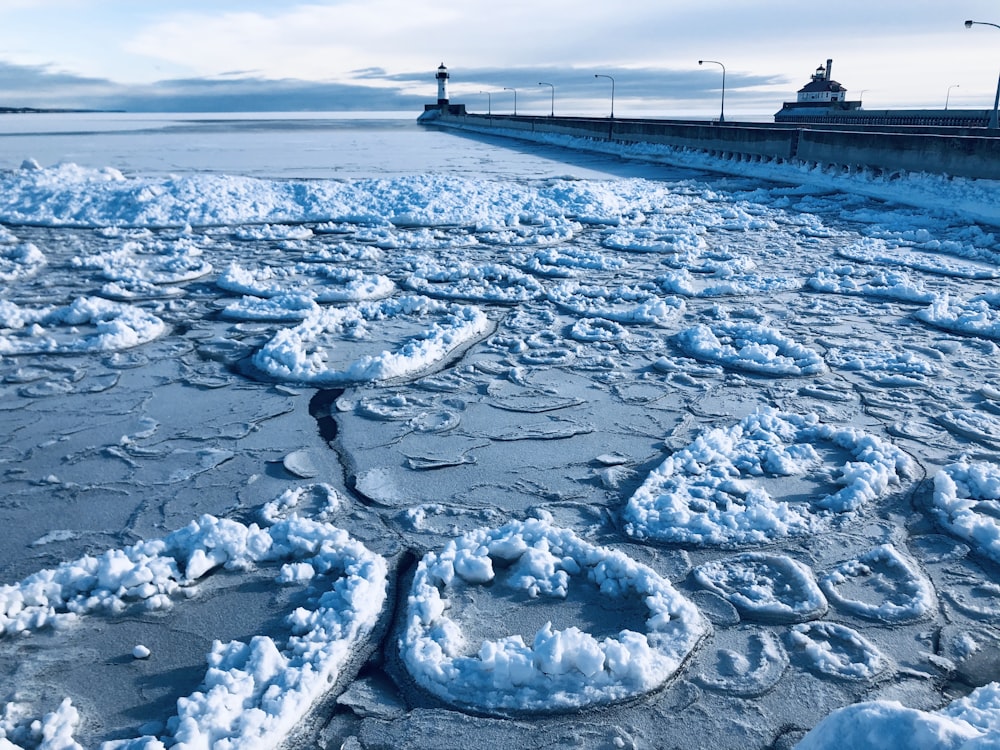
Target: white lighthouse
442	108
442	79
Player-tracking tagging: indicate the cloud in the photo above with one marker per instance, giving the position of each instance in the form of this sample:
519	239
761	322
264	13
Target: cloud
42	88
311	41
264	95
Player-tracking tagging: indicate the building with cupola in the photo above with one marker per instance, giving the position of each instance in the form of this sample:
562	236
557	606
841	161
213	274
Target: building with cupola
821	96
823	101
822	87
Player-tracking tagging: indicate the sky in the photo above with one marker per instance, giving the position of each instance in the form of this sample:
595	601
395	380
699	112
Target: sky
328	55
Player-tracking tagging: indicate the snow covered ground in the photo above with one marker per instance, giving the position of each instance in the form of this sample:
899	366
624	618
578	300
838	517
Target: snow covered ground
348	433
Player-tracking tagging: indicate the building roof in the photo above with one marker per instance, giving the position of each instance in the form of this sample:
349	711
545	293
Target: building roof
820	84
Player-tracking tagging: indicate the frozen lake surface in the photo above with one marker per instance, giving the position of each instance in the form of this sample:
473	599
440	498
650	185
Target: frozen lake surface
342	432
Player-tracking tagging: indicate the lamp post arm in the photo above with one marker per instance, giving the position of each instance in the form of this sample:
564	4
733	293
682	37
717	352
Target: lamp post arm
611	78
722	110
994	121
552	109
508	88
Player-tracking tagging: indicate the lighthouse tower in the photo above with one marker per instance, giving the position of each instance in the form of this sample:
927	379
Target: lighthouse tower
442	108
442	79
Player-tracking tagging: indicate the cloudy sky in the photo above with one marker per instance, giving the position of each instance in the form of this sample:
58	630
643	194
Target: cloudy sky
252	55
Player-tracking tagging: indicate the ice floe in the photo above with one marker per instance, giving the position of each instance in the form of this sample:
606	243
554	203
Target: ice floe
769	588
723	284
886	585
20	261
848	279
967	502
289	306
871	250
968	723
624	304
751	669
308	352
837	651
162	262
558	669
326	283
978	316
253	693
751	348
88	324
713	492
566	262
476	283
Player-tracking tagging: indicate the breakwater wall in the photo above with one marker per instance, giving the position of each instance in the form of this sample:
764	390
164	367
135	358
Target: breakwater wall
965	152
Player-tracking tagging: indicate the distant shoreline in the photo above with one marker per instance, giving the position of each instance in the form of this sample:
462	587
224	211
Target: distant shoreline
35	111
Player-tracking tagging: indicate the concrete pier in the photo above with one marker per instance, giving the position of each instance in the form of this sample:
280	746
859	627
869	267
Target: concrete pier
972	152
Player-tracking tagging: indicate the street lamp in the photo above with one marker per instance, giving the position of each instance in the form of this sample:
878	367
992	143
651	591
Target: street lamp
996	102
507	88
861	97
552	111
489	102
602	75
722	112
947	96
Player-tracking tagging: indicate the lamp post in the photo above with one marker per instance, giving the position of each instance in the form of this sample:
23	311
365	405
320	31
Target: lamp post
507	88
861	98
996	102
602	75
722	111
552	111
489	102
947	97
